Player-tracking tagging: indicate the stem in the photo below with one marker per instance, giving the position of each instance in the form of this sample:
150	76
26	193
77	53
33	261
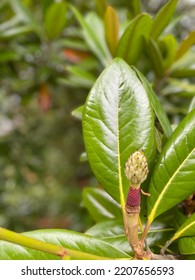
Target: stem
162	251
32	243
145	232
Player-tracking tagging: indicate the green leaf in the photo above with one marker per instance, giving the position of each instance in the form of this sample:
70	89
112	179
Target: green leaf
55	19
113	232
131	44
9	55
156	59
156	105
163	18
187	245
117	120
24	14
95	40
185	45
186	229
77	113
168	45
173	178
16	31
184	67
179	87
21	11
101	6
77	245
100	205
135	7
111	23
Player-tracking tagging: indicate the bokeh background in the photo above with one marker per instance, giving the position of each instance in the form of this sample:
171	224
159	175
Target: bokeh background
46	71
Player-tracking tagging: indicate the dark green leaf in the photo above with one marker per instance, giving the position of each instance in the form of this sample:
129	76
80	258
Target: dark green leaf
79	246
100	205
113	232
131	44
156	59
163	18
156	105
55	19
117	120
174	178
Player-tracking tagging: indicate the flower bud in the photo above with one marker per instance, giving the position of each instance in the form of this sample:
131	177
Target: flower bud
136	168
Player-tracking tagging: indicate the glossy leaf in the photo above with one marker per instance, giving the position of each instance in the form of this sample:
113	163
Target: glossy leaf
100	205
95	40
163	18
111	23
186	229
185	45
131	44
156	105
77	245
173	178
113	232
117	120
55	19
187	245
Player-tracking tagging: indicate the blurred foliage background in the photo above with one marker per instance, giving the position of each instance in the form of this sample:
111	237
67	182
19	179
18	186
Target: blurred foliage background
49	60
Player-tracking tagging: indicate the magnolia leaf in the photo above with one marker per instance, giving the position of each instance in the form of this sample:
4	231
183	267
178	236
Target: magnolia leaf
156	58
163	18
174	178
117	120
156	105
113	232
77	246
131	44
100	205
